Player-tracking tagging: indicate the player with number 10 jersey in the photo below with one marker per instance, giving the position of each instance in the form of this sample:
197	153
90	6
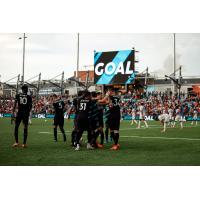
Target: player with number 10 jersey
24	103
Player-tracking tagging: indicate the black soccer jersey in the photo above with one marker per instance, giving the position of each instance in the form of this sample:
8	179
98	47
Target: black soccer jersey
83	106
24	102
115	104
59	107
107	112
93	110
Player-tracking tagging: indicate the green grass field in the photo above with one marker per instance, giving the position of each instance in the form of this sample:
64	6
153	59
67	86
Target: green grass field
138	147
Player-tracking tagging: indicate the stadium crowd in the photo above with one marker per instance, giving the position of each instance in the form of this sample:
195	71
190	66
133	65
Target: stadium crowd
153	102
156	102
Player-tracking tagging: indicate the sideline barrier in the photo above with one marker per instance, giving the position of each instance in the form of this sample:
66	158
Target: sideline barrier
125	117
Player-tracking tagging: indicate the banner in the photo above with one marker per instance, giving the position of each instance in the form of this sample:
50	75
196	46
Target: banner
114	67
72	116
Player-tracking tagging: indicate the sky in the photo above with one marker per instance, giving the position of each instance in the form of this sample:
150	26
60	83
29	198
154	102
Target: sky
53	53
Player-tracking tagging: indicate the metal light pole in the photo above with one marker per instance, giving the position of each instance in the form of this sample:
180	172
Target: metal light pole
77	64
174	67
23	61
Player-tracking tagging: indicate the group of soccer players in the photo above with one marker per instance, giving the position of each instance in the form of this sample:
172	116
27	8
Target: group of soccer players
88	108
92	111
170	116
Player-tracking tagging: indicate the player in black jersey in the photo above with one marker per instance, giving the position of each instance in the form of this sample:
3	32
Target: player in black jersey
114	116
24	103
59	109
96	120
74	109
106	115
100	118
83	108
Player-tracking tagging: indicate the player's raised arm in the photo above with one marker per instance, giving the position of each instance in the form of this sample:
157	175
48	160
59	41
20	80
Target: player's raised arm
105	100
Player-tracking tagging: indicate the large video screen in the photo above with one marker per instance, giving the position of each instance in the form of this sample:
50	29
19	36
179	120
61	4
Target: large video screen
114	67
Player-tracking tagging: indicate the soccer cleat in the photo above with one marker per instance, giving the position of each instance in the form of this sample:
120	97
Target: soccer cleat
89	146
118	145
24	146
15	145
114	147
100	146
77	147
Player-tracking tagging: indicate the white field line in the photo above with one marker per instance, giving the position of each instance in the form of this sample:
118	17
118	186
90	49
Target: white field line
143	137
155	127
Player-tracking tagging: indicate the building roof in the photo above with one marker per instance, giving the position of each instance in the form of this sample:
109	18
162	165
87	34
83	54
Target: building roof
184	81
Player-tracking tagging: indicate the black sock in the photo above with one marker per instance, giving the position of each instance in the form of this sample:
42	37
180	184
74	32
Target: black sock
55	134
64	135
25	135
16	134
102	137
97	132
113	136
95	135
73	137
78	136
90	136
117	138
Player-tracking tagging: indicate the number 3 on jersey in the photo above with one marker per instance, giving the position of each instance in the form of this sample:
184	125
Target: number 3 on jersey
116	102
23	100
82	106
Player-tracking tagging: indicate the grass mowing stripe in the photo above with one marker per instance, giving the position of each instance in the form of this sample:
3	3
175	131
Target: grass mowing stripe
163	138
125	129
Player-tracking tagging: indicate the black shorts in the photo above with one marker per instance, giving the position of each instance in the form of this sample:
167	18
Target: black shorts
114	121
94	123
82	123
59	121
24	117
100	119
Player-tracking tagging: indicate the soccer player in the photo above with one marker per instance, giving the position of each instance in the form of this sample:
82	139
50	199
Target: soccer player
171	118
100	119
142	114
178	117
96	120
24	103
74	109
164	119
59	109
195	116
107	113
114	116
133	112
83	105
